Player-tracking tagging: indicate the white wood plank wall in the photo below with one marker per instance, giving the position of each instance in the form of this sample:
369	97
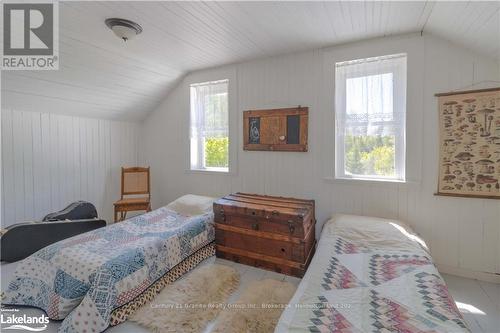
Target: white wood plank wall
462	233
183	36
50	160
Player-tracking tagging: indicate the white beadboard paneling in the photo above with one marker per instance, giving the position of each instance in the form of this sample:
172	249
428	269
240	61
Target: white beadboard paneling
18	174
462	233
8	192
473	24
101	76
49	161
46	184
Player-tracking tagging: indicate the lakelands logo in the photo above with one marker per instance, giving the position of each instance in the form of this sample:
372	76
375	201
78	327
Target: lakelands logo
12	321
30	36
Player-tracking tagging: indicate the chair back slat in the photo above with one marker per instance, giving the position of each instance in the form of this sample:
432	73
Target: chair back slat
135	180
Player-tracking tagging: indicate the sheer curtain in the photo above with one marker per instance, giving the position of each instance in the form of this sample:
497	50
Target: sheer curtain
209	116
370	99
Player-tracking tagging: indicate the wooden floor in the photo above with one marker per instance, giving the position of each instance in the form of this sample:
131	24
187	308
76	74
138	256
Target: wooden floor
478	301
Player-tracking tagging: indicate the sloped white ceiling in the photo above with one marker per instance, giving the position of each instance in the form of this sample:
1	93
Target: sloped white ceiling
101	76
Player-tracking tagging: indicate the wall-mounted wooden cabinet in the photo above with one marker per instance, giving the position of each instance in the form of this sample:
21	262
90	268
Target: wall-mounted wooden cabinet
276	129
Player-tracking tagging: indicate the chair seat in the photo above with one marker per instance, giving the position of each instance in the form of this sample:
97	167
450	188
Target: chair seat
132	201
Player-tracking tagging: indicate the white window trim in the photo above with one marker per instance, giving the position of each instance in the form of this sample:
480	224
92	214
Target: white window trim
400	92
228	74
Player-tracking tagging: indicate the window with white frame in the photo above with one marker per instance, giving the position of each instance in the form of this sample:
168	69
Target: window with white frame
209	126
370	113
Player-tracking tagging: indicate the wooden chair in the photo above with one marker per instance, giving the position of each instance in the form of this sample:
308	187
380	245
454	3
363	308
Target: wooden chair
135	185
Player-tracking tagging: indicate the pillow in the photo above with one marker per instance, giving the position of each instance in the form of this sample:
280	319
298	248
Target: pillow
191	204
375	232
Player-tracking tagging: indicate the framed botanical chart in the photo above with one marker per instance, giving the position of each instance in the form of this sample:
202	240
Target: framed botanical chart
469	141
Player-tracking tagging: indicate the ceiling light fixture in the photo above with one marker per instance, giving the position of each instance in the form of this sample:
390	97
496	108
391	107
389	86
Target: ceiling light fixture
124	29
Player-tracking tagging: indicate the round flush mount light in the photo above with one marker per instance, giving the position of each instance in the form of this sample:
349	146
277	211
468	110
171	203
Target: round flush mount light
123	29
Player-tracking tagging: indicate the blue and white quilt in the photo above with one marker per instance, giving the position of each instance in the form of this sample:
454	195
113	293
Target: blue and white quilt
84	278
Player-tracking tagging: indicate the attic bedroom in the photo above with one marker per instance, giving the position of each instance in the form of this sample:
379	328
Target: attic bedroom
247	166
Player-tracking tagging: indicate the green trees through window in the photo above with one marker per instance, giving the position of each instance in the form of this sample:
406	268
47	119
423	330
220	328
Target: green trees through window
216	152
369	155
370	118
216	123
209	126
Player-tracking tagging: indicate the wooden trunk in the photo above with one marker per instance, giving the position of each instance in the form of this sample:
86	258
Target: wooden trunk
273	233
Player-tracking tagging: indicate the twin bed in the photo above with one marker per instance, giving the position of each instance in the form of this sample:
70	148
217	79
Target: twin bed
97	279
368	274
371	275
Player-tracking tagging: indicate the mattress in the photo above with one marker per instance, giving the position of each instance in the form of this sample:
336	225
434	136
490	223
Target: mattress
95	279
371	275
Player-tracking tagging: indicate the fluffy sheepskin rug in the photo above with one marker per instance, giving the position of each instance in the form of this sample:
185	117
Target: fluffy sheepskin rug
189	304
258	309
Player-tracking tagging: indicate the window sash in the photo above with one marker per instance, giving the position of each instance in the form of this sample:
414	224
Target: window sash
200	93
395	64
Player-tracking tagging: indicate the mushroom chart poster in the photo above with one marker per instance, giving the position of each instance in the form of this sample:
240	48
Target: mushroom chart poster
469	161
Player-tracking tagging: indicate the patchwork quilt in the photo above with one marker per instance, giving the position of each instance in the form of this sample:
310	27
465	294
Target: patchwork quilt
371	275
84	278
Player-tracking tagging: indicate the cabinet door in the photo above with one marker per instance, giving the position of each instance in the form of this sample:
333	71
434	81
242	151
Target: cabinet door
276	129
273	130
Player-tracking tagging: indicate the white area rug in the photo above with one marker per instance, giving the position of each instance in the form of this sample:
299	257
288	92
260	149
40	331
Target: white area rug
258	309
189	304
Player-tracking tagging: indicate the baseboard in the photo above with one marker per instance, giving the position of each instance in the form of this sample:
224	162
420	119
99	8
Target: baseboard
482	276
